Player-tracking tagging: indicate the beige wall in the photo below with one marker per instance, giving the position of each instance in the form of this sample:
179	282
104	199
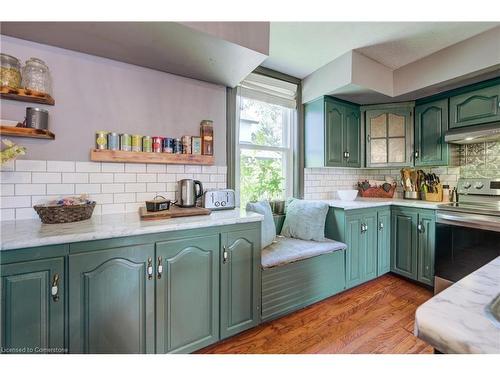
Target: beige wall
94	93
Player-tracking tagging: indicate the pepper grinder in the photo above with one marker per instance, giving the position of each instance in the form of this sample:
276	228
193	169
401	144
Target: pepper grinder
454	195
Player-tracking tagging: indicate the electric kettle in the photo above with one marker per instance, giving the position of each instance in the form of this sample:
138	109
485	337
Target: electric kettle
188	193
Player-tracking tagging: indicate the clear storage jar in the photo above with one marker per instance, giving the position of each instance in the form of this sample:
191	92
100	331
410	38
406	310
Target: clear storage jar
36	76
10	71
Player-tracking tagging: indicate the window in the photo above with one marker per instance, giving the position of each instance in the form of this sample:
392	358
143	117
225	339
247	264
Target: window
266	124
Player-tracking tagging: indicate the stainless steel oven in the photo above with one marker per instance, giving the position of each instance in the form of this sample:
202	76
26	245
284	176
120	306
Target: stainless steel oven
467	232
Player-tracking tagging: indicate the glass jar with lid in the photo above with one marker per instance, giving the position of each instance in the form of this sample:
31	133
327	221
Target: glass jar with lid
36	76
10	71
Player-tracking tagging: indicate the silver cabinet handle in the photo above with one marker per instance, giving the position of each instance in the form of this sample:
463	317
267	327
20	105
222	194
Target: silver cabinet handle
421	228
381	226
150	268
416	154
368	138
348	155
160	268
364	228
54	290
225	255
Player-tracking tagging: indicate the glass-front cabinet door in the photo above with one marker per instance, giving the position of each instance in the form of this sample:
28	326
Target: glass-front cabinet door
389	140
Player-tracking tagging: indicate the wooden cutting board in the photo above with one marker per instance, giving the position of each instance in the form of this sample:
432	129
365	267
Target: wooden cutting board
174	211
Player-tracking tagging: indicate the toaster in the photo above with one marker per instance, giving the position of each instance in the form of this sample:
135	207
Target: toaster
219	199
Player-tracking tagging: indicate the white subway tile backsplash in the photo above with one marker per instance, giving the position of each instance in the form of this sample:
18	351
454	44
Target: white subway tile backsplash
146	177
112	208
113	167
87	188
192	169
60	166
181	176
15	202
87	166
8	166
60	189
156	168
72	178
166	177
138	187
125	177
6	189
7	214
31	165
209	169
46	177
175	169
15	177
135	168
142	197
124	198
26	213
42	199
30	189
113	188
103	178
102	198
156	186
222	170
133	207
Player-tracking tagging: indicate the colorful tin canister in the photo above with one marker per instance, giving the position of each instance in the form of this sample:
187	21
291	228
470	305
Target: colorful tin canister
196	145
125	142
186	144
101	140
137	143
113	141
168	145
177	146
157	144
147	144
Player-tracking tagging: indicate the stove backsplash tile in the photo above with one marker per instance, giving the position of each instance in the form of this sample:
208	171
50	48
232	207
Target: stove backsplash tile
480	160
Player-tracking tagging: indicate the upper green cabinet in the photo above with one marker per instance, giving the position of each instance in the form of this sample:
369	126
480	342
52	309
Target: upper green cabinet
431	124
332	134
111	300
187	294
389	135
479	106
32	308
240	281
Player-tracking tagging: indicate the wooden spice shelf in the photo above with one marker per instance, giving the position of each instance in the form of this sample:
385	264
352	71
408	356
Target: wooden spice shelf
149	157
13	131
24	95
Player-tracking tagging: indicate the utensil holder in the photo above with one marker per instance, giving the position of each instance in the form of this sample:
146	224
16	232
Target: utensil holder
415	195
434	197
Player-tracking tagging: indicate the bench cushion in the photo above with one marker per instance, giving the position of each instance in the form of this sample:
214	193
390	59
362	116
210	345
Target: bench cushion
286	250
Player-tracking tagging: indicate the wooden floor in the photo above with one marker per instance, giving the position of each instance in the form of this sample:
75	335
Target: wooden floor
376	317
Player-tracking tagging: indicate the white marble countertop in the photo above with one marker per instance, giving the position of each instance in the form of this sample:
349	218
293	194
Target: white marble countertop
455	320
29	233
379	202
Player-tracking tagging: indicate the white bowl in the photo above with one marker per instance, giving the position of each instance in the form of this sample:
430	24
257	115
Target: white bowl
347	195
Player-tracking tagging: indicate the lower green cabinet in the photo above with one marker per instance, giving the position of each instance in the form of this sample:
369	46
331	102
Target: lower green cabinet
240	282
111	300
32	308
384	242
413	243
187	294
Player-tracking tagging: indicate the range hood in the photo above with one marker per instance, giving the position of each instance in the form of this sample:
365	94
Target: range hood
474	134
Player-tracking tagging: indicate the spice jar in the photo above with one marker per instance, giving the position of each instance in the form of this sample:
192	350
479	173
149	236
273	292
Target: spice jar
10	71
207	137
36	76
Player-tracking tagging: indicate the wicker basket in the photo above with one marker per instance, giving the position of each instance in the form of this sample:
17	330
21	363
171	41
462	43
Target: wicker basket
377	192
64	214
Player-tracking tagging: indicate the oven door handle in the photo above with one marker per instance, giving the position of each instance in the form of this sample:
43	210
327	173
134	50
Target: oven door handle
485	222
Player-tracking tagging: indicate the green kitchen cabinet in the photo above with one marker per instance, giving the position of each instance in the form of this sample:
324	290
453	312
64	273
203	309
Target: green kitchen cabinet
479	106
389	135
426	228
384	241
413	243
111	300
33	306
356	250
332	133
187	294
431	124
240	288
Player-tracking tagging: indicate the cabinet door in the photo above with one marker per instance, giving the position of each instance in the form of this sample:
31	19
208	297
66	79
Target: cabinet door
240	282
389	137
187	294
426	246
32	308
404	243
352	133
112	300
384	242
334	123
431	123
355	254
369	238
475	107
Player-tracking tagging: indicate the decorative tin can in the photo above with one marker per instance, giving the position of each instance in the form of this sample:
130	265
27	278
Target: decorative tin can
168	145
147	144
113	141
157	144
177	146
196	145
101	140
137	143
125	142
186	144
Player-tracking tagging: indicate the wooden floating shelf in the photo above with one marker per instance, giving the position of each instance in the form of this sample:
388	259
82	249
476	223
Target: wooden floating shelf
13	131
149	157
24	95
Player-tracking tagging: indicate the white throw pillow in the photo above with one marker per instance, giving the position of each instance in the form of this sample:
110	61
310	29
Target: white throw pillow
305	220
268	226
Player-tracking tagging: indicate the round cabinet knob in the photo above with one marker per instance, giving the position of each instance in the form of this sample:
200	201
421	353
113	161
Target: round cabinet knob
479	185
467	185
217	204
222	203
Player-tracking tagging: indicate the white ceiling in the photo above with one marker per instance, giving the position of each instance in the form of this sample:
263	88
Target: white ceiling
300	48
